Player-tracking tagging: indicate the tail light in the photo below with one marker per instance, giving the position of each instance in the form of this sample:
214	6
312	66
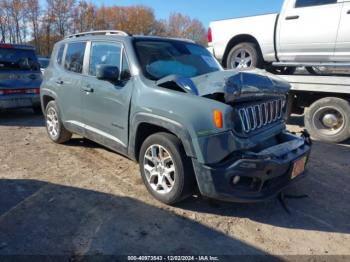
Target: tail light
7	46
35	91
210	37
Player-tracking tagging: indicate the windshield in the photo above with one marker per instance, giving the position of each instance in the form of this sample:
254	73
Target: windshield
18	59
160	58
44	62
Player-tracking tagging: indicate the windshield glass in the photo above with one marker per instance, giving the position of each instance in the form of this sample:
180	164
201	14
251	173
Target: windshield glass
18	59
160	58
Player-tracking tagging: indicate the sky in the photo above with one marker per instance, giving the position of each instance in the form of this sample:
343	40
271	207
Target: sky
203	10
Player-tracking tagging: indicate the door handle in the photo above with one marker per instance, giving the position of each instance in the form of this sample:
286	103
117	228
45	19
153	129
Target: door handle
88	89
292	17
59	82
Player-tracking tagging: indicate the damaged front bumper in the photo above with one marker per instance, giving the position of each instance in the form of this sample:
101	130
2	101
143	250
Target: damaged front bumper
255	176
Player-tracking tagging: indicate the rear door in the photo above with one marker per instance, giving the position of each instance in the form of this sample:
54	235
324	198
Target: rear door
106	104
68	81
342	49
307	30
20	74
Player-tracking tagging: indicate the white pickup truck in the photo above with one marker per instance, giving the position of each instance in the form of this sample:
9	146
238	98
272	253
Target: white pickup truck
305	33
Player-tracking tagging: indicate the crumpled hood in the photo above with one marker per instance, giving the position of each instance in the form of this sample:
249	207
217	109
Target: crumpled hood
237	85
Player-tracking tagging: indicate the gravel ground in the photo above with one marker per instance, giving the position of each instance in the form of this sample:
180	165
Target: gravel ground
82	199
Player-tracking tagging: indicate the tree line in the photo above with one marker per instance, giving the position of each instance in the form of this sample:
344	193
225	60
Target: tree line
25	21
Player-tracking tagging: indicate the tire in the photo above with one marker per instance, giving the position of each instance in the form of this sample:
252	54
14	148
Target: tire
182	176
37	110
250	49
328	120
52	117
282	70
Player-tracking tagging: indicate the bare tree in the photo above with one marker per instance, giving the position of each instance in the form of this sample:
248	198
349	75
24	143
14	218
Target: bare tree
33	13
61	11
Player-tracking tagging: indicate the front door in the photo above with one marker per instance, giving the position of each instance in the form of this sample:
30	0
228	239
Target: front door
307	30
342	49
105	104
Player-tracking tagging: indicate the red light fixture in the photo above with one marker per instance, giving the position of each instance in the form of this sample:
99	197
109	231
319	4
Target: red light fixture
210	37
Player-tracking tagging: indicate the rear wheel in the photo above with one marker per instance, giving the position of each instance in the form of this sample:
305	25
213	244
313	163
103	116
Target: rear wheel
55	129
328	119
166	170
244	56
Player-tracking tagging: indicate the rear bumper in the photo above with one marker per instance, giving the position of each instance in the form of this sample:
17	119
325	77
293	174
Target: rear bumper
9	102
261	175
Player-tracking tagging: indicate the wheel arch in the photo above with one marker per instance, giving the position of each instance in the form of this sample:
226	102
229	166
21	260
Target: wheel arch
146	124
242	38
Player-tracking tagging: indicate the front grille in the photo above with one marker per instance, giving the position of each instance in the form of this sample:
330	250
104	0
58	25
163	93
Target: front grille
256	116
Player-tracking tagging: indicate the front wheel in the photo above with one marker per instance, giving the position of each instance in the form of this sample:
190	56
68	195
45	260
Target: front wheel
328	119
165	169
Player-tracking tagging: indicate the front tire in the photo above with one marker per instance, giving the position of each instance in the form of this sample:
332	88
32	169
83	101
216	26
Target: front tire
244	56
54	127
165	169
328	119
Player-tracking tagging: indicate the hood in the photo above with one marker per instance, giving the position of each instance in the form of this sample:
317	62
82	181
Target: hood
236	85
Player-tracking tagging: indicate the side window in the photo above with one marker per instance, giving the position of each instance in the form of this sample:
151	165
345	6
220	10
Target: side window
125	70
75	57
103	53
306	3
60	54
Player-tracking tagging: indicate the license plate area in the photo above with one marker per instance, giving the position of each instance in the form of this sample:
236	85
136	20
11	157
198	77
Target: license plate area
298	167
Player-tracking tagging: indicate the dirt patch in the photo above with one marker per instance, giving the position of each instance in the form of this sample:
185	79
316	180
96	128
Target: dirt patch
81	198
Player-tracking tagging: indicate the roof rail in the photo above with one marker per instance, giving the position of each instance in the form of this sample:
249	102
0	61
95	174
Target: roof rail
100	32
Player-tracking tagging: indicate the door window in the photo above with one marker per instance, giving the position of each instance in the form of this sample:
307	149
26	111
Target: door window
306	3
75	57
125	71
104	54
60	54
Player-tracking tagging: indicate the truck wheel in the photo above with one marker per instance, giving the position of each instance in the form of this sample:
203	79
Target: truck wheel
243	56
55	129
165	169
328	119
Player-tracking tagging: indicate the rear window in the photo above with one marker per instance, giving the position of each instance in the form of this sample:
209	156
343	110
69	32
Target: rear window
18	59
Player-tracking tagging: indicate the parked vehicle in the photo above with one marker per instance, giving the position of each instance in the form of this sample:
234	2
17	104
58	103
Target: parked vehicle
44	63
20	77
167	104
305	33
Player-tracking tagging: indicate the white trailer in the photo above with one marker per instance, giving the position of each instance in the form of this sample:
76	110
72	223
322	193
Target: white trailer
325	103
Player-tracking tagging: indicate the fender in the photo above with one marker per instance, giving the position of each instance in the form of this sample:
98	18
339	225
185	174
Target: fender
174	127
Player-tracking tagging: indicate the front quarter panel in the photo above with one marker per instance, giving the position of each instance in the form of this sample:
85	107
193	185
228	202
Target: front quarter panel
188	116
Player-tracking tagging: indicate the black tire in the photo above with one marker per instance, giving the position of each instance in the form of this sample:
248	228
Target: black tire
63	135
251	49
328	106
282	70
183	176
37	110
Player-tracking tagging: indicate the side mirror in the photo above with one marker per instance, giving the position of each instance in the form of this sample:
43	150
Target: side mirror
107	72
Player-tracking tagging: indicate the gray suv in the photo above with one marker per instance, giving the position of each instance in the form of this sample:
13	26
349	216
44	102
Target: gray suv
168	104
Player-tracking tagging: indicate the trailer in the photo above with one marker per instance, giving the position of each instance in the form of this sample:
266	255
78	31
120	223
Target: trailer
325	103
